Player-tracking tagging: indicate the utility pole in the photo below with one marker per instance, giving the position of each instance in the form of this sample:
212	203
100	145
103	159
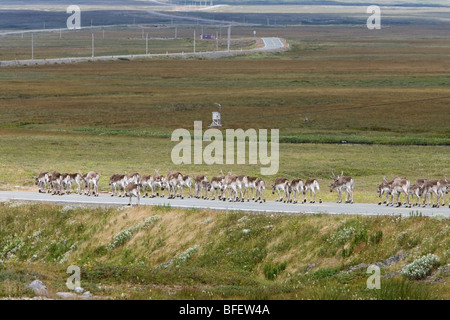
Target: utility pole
32	46
146	44
194	40
93	52
217	41
229	37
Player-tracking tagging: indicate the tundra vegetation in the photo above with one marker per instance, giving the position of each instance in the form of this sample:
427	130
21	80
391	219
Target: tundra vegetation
164	253
384	93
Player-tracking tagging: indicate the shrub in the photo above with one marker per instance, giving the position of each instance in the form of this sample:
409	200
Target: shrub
422	267
346	252
324	273
376	238
342	236
271	271
185	255
120	239
360	237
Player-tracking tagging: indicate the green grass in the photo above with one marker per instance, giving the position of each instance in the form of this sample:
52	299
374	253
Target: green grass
179	256
385	100
117	154
116	117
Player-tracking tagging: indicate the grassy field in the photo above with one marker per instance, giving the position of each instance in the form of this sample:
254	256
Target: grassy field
385	100
26	153
385	93
163	253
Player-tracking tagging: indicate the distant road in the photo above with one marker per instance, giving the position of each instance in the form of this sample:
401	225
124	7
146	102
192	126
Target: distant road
270	44
267	207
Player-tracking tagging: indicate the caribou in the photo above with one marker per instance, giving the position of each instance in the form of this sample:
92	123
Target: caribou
234	183
146	182
281	184
420	183
229	184
133	178
251	185
152	183
68	179
261	189
313	186
158	181
415	191
431	187
173	182
56	181
117	181
91	179
384	188
186	181
443	189
199	186
43	181
296	187
398	186
134	189
242	186
216	187
343	183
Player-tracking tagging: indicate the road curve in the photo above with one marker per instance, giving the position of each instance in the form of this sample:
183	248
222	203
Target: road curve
267	207
270	45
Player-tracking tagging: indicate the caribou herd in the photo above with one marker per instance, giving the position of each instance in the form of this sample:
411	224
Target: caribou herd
422	190
239	188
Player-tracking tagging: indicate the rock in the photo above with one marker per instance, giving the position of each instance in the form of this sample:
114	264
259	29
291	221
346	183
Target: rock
87	295
391	275
354	268
246	231
167	264
66	295
78	290
395	259
38	288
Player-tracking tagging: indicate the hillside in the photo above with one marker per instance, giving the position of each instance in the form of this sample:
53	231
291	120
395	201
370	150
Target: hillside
164	253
